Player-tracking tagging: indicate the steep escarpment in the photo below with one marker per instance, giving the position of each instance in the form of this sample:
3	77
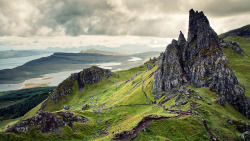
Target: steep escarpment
242	32
199	61
62	93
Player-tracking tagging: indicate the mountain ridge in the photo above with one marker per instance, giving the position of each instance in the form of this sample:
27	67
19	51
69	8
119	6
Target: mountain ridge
102	52
242	32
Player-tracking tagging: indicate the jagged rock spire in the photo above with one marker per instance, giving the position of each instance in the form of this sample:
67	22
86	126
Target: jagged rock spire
196	19
181	39
199	61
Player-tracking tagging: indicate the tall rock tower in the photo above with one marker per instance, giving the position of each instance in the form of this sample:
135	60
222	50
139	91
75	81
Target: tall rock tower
199	60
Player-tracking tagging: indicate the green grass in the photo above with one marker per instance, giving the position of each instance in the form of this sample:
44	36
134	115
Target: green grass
240	64
185	128
106	92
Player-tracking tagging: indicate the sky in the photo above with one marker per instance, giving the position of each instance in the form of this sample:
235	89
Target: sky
38	24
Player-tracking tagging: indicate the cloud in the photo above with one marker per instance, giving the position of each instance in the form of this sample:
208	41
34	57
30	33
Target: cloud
159	18
22	43
219	8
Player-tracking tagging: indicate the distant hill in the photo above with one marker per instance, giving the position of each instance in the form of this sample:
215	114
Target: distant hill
59	62
102	52
242	32
20	53
128	48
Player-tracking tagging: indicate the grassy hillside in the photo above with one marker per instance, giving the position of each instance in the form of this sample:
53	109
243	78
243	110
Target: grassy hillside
124	108
240	64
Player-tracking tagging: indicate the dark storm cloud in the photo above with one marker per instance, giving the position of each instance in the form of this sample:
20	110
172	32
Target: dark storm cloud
162	18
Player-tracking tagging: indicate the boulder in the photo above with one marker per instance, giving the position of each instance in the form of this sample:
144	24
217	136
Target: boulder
230	121
221	101
85	107
65	107
245	136
148	66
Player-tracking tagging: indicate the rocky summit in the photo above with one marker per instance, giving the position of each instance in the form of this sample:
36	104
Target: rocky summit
199	61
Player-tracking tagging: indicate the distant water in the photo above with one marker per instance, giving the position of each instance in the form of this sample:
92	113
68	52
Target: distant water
134	59
108	65
55	79
11	63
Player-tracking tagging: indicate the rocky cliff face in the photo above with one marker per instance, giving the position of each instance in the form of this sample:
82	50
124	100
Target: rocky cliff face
199	60
46	122
87	76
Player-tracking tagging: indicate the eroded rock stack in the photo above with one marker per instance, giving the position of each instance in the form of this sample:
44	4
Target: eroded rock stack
199	60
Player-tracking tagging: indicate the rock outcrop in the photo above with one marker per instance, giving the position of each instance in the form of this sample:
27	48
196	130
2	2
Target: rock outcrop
46	122
233	45
87	76
199	60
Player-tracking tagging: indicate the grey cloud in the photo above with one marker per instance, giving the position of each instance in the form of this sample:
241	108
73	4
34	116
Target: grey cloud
219	8
162	18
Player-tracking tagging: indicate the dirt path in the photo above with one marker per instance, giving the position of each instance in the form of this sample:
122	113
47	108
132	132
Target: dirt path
128	135
211	136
